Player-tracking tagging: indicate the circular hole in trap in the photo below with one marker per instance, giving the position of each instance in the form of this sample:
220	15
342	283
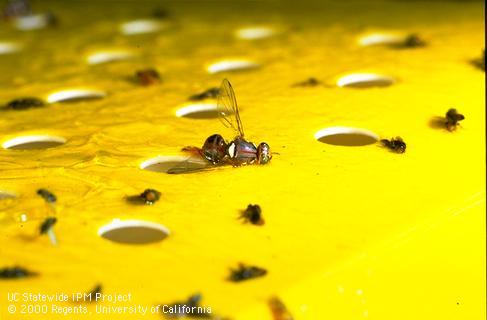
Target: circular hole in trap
33	142
100	57
9	47
345	136
254	33
74	95
364	80
141	26
33	21
232	65
133	232
162	163
198	111
381	39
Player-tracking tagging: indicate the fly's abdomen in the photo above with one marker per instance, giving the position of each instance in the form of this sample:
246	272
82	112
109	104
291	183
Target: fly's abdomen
214	149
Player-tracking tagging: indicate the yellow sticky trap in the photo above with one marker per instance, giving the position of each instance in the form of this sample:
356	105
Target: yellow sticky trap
352	230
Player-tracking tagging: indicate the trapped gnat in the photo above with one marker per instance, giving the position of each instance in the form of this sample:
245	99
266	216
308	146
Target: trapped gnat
279	310
216	151
245	272
411	41
147	77
15	272
211	93
310	82
25	103
97	289
253	214
452	119
47	195
480	62
395	144
160	13
148	197
46	227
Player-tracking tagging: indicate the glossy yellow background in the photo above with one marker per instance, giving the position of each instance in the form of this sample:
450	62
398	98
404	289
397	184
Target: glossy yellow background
351	232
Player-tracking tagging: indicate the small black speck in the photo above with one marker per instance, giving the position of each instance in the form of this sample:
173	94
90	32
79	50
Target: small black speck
208	94
310	82
25	103
147	77
245	272
15	273
160	13
149	197
253	214
97	289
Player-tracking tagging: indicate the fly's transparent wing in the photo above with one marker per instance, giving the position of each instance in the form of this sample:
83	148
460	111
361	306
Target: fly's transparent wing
228	109
190	165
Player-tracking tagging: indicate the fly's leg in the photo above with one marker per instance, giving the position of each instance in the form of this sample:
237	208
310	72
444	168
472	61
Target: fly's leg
194	150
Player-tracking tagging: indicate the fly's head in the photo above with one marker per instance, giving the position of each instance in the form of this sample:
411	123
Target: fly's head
263	153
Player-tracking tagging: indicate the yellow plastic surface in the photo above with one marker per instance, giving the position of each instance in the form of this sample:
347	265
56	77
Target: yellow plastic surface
350	233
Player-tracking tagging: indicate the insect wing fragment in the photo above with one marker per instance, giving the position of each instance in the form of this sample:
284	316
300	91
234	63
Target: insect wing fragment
190	165
228	109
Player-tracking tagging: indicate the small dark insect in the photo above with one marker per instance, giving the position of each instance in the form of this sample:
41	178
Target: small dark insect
211	93
97	289
150	196
311	82
395	144
279	310
47	225
160	13
452	118
413	41
52	19
246	273
47	228
24	103
480	62
15	273
47	195
147	77
253	214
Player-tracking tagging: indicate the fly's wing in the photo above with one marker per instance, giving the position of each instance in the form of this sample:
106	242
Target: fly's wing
190	165
228	109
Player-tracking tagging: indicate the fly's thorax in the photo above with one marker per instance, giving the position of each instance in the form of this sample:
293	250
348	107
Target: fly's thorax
242	151
215	148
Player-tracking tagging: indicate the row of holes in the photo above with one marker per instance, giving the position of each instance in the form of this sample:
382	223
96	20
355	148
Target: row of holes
225	65
208	110
142	232
340	136
139	26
